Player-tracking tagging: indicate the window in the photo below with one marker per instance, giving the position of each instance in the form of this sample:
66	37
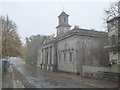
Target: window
60	19
71	56
83	61
64	56
113	39
59	57
64	19
113	23
114	52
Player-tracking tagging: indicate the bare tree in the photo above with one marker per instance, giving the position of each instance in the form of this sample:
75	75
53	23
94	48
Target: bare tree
113	11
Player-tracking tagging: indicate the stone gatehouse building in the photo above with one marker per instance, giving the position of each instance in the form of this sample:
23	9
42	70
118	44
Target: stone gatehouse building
71	49
113	46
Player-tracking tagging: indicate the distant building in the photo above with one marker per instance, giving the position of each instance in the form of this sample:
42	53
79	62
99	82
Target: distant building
71	49
114	40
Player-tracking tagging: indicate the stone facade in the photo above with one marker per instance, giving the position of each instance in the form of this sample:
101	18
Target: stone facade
47	58
71	49
113	46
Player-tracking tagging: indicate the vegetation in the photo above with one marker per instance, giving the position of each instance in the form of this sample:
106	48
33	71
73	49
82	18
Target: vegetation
113	11
0	37
33	43
11	43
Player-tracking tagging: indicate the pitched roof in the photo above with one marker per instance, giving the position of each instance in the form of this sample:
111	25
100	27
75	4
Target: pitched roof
63	13
48	39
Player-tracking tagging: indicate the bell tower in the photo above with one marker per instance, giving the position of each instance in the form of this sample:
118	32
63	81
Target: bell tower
63	26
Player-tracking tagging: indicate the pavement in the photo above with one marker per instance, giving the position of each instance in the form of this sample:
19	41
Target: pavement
8	81
0	82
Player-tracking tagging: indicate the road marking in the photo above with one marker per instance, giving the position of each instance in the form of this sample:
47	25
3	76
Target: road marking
95	85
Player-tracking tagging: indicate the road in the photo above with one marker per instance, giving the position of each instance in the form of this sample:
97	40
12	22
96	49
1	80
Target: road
38	79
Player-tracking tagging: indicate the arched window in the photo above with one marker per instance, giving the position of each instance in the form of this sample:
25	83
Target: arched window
113	39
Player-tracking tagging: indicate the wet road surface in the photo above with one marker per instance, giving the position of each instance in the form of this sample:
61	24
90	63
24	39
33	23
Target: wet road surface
38	79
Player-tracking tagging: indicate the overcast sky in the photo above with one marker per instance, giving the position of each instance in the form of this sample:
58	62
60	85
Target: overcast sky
42	17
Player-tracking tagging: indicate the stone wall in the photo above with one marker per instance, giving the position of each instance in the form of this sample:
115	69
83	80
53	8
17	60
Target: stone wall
65	47
93	69
87	49
113	37
90	51
112	73
75	48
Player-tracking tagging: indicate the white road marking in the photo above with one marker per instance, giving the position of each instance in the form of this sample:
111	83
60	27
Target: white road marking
95	85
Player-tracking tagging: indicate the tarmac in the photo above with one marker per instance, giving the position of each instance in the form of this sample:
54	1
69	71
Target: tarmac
9	81
99	82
